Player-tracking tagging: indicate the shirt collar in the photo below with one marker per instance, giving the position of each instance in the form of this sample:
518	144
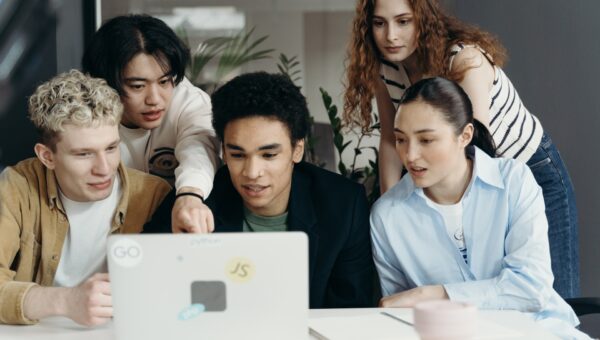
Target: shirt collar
119	218
484	169
52	190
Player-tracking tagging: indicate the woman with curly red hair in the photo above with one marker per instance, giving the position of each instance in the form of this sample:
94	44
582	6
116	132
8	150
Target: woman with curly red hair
396	43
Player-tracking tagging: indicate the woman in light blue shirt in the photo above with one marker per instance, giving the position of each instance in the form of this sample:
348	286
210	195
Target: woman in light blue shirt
462	225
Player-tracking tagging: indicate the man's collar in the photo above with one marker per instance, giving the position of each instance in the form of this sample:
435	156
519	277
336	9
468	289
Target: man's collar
119	217
52	190
121	212
226	203
301	212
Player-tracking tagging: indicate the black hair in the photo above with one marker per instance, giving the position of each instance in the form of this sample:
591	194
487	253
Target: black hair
448	97
264	95
121	38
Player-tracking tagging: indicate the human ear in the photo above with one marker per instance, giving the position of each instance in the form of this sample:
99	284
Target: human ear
45	155
298	151
467	135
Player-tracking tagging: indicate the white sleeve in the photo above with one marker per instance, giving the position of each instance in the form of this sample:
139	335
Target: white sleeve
197	147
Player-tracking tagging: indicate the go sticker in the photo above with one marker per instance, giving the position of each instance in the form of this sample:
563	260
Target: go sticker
240	269
126	252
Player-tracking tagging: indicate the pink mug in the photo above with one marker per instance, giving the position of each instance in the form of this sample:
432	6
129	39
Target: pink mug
445	319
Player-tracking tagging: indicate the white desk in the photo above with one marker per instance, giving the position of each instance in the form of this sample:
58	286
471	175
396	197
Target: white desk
65	329
510	319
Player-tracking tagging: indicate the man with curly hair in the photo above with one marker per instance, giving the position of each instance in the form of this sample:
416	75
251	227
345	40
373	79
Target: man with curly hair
262	120
57	209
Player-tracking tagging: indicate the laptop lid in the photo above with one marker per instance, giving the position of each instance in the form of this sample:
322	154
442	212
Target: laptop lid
215	286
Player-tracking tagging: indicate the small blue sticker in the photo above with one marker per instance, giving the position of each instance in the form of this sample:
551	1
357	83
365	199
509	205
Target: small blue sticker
191	312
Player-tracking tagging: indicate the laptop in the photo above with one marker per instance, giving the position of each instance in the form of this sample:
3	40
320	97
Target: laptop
211	286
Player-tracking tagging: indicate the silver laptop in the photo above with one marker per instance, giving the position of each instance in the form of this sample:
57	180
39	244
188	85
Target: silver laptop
216	286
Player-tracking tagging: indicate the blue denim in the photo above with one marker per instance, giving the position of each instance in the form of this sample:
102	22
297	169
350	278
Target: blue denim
551	174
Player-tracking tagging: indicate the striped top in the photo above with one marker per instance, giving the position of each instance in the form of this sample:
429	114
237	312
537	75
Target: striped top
516	132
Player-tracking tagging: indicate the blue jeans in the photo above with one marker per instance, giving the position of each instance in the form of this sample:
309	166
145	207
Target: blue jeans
551	174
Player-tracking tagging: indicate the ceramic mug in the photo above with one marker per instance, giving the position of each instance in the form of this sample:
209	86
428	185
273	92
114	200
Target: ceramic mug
445	319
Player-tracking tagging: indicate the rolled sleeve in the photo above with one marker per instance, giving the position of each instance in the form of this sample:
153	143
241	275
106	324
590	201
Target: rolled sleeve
12	295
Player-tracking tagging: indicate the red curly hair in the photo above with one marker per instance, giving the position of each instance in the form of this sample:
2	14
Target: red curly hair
437	32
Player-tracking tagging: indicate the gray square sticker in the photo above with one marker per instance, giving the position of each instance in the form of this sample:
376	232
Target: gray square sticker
212	294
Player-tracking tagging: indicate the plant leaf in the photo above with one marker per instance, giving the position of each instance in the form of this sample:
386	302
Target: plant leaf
345	146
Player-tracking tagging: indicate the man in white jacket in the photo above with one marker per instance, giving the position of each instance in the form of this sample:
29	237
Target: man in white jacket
166	128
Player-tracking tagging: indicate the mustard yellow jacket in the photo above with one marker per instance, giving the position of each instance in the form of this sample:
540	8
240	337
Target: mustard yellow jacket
33	226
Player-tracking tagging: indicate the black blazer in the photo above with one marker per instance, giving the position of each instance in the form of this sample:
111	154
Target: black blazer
334	213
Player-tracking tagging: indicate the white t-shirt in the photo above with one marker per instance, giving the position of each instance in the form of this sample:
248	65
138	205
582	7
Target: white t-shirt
452	215
84	250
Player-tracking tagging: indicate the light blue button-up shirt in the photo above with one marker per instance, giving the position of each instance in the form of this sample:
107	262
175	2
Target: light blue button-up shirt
505	230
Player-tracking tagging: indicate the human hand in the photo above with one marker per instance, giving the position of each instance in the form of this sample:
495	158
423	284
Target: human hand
90	303
190	214
411	297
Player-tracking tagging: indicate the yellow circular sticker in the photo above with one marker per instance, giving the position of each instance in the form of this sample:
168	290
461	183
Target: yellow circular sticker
240	269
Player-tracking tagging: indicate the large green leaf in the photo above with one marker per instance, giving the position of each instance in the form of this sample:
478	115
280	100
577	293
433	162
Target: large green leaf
203	53
239	50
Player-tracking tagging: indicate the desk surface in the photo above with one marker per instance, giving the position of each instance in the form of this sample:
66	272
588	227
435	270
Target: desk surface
65	329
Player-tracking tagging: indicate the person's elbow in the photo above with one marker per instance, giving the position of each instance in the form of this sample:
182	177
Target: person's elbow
531	294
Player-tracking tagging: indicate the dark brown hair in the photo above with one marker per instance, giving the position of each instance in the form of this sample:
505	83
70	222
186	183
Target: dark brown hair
454	104
437	32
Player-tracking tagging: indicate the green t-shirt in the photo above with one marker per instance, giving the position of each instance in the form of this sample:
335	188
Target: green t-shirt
257	223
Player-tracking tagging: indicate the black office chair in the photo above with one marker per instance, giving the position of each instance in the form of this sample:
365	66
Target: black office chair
584	307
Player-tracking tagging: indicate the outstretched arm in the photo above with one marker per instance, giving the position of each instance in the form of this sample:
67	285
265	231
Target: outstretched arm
190	214
197	151
197	147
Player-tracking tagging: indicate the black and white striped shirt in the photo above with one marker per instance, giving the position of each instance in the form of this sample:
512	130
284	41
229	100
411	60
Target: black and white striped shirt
516	132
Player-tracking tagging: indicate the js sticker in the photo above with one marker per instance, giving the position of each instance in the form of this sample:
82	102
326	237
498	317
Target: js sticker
240	269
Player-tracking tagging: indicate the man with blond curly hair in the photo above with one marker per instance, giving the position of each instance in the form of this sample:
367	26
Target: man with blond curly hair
57	209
